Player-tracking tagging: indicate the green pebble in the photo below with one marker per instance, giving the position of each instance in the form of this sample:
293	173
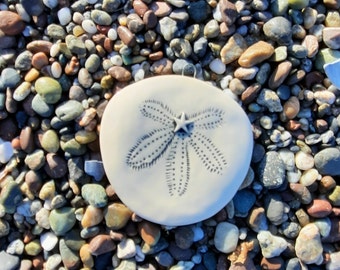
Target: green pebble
69	257
10	196
76	45
62	220
69	110
73	240
50	141
334	197
49	89
33	248
298	4
94	194
280	54
101	17
326	56
73	147
92	63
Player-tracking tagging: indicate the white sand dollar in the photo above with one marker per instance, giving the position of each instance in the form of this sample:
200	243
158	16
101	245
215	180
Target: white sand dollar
175	149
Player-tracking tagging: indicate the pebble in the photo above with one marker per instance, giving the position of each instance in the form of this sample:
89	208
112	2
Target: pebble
23	61
181	47
327	161
291	107
270	100
225	12
198	11
89	26
47	191
319	208
128	264
233	49
334	196
48	241
9	262
16	247
53	261
271	246
256	54
69	257
168	28
49	89
4	228
10	196
272	170
184	237
6	151
33	248
257	219
217	66
94	194
126	249
69	110
92	216
324	97
101	244
280	73
226	237
180	254
94	168
309	237
50	141
22	91
246	73
55	166
11	23
278	29
121	74
243	201
276	209
333	262
126	36
304	161
116	216
149	232
211	29
302	193
34	7
41	107
85	256
62	220
10	77
165	259
56	31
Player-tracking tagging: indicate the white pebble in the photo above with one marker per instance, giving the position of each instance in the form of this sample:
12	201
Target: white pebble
183	265
309	177
50	3
224	83
89	26
293	177
116	60
112	34
217	66
78	18
138	75
53	261
16	247
48	241
54	51
266	122
64	15
288	159
304	161
91	2
271	246
226	237
56	70
126	249
6	151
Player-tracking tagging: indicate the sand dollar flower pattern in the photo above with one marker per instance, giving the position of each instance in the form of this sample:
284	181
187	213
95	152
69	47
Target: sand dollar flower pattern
178	137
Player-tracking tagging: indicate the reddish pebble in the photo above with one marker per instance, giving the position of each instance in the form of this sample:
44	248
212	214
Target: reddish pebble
149	232
126	36
319	208
38	262
16	143
161	9
121	74
293	125
11	23
250	93
140	7
162	67
36	46
101	244
26	139
291	107
156	56
326	184
39	60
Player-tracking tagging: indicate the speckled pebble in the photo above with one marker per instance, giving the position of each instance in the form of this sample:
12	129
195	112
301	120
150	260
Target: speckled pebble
94	194
278	29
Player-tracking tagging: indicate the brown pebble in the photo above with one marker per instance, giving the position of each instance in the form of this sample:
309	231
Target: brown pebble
162	67
312	45
302	217
39	60
279	74
33	181
26	140
161	9
16	143
256	54
108	45
140	7
333	4
38	262
120	73
326	184
126	36
291	107
72	67
274	263
101	244
117	215
293	125
55	165
36	46
312	78
11	23
156	56
85	256
92	216
319	208
250	93
149	232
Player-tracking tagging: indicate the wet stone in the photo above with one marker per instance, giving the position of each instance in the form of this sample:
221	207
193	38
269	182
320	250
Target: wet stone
243	202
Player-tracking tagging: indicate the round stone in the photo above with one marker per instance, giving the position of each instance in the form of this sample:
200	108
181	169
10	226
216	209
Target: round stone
170	147
49	89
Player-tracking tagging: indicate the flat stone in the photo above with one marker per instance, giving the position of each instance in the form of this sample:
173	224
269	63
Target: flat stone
101	244
62	220
69	110
169	147
9	262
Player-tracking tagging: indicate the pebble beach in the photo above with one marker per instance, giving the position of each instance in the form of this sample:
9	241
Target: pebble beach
61	61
